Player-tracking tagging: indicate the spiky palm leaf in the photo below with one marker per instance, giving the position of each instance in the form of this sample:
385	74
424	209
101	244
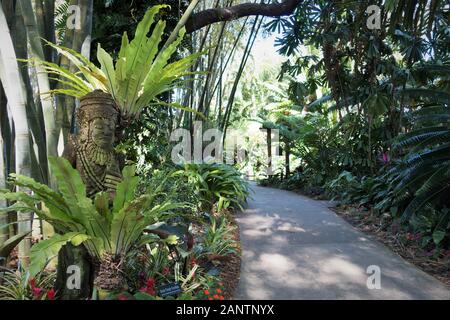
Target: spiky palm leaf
424	174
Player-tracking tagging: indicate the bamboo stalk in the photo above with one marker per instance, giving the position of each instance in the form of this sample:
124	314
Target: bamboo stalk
250	42
51	133
65	103
34	117
224	66
4	234
201	106
180	23
15	93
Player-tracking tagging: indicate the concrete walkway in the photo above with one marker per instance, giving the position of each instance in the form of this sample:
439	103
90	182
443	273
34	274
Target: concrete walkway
294	247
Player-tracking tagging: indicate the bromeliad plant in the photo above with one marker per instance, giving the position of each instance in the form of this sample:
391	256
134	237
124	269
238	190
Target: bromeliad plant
18	285
108	233
140	73
218	185
217	239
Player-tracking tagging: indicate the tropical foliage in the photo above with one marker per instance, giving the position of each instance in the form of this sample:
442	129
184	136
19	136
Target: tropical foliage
104	231
216	185
377	135
362	113
140	74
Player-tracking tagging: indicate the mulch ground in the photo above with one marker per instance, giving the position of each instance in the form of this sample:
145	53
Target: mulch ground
399	241
231	269
229	265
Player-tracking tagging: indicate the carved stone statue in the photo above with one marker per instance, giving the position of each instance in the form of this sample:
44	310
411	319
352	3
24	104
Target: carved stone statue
91	152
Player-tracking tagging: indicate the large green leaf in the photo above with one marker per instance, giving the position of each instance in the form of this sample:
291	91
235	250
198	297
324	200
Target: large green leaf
126	189
154	83
69	183
58	208
377	104
101	203
81	208
107	66
126	226
137	57
92	74
11	243
45	250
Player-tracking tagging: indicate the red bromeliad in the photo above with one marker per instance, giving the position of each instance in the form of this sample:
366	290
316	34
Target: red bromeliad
51	294
149	287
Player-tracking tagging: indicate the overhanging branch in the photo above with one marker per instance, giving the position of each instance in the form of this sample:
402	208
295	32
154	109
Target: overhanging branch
209	16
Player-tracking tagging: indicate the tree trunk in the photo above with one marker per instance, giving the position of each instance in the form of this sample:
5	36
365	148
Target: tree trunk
209	16
4	234
65	284
287	154
34	110
64	104
7	139
81	42
251	40
269	152
15	93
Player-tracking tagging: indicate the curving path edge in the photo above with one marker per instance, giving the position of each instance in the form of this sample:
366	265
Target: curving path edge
294	247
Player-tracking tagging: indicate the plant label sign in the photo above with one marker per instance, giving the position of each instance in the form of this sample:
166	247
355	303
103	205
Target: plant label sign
171	289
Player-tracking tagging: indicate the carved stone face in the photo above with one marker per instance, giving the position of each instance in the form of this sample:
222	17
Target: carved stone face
102	133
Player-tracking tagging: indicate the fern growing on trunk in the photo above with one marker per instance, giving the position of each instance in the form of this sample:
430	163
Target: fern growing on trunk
139	75
107	231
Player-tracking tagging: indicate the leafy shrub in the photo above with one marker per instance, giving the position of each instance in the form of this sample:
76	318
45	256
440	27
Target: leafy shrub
173	187
295	181
103	230
18	285
343	187
424	173
273	180
433	226
216	184
366	191
217	238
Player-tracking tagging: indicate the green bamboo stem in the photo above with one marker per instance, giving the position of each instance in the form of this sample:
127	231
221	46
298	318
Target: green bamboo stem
250	42
4	234
181	23
34	37
16	95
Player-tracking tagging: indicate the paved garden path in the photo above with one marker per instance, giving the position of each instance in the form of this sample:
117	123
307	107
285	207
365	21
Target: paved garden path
294	247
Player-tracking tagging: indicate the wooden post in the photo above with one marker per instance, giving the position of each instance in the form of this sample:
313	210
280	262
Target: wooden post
287	154
269	152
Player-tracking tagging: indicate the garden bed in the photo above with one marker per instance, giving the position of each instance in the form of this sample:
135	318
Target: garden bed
435	263
231	270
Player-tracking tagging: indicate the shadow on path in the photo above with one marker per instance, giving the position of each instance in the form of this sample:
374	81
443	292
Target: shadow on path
294	247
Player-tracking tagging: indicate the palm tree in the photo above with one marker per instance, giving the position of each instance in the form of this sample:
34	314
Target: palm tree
424	173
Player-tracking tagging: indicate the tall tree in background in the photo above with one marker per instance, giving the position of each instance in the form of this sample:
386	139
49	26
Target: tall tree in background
42	119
